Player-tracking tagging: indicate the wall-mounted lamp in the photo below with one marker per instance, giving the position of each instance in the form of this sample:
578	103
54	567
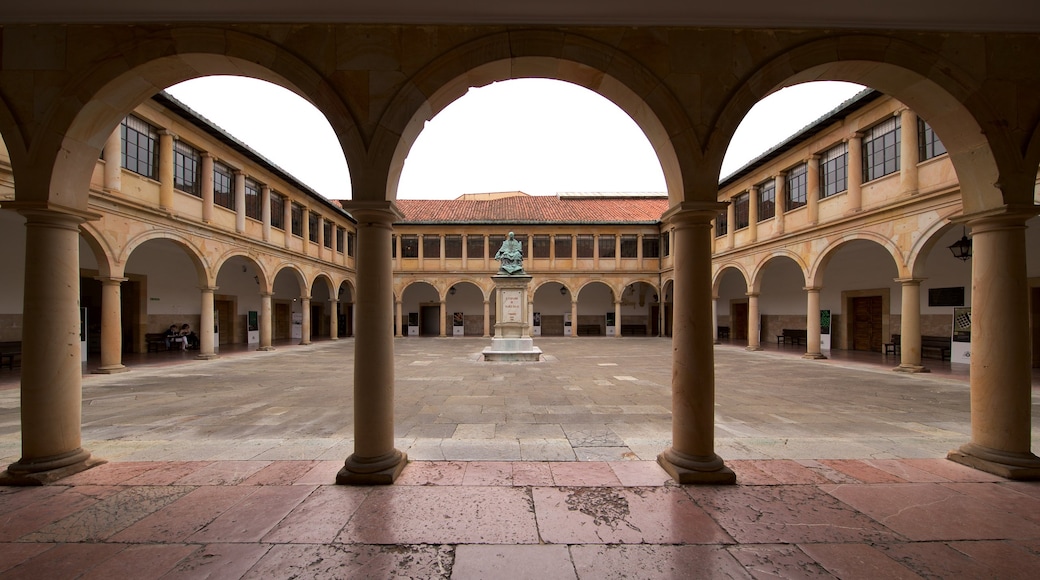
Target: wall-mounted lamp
452	291
257	278
563	290
961	248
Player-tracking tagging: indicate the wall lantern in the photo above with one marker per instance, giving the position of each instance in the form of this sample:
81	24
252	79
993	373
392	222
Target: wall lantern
452	291
961	248
563	290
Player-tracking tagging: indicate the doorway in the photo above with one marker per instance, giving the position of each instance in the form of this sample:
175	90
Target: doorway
738	320
1035	308
317	321
282	320
867	323
429	320
225	310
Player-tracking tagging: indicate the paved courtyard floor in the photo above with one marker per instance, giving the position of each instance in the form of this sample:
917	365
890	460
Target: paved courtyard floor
224	469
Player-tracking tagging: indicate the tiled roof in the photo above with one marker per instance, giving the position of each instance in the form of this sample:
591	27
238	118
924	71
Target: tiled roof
535	210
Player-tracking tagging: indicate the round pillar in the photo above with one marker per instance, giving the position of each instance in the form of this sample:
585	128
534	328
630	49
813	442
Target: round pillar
305	327
333	319
111	327
754	333
265	321
812	324
207	348
910	327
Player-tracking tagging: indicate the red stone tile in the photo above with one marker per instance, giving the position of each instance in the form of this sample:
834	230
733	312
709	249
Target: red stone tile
776	562
751	473
323	473
931	511
827	472
488	473
253	517
952	471
787	472
16	498
108	474
63	561
218	561
861	471
149	561
432	473
640	473
1005	560
595	515
223	473
104	518
581	473
346	561
443	515
528	473
166	472
1002	497
1030	488
187	515
12	554
786	514
854	561
905	471
280	473
964	559
320	517
527	561
665	562
33	516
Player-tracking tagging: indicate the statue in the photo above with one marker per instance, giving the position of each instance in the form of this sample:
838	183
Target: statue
511	256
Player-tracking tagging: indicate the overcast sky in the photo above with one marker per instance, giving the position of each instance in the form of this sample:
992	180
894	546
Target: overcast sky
533	135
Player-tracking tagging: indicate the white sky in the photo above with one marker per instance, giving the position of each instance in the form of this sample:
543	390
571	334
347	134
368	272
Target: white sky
534	135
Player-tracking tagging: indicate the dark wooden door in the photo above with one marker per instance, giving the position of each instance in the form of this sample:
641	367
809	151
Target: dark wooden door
429	320
225	320
738	321
318	321
1036	326
655	320
282	321
866	323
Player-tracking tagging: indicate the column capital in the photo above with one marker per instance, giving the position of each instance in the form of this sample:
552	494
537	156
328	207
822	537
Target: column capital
209	289
167	133
910	281
266	294
752	294
374	213
47	212
306	297
812	288
110	279
1003	217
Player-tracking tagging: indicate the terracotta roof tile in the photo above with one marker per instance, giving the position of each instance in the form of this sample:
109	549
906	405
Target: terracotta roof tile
534	209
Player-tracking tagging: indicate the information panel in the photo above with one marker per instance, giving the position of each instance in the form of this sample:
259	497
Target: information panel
512	306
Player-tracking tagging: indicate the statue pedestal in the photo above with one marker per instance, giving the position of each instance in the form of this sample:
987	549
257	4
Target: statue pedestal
512	341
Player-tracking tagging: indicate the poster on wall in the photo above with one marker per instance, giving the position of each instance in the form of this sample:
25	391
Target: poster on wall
567	325
413	324
611	329
253	327
458	324
83	335
825	330
536	324
960	348
297	325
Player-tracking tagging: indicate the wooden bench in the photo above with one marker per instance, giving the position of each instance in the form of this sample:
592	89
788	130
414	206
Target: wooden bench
155	341
633	330
588	330
892	347
793	336
941	345
8	352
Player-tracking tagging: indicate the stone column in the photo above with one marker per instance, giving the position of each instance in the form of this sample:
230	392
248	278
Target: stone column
51	379
166	170
287	220
714	320
910	327
375	460
754	323
812	323
753	214
265	211
399	320
240	201
111	327
306	229
305	327
812	188
266	321
207	187
731	224
207	349
1000	372
854	197
465	251
487	319
780	197
443	322
908	152
333	319
321	237
617	318
692	457
574	317
114	160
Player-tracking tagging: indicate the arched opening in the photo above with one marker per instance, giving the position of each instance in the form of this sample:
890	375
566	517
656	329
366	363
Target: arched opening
421	310
552	310
858	281
165	276
236	302
345	309
781	301
287	305
732	305
595	310
464	305
640	310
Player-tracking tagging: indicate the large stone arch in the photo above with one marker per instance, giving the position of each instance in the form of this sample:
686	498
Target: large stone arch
917	255
980	144
97	98
721	271
302	280
819	265
261	272
603	69
205	272
100	246
759	269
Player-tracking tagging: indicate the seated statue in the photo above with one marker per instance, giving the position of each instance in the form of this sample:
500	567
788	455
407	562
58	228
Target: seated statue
511	256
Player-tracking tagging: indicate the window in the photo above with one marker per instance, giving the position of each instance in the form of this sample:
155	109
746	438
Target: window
223	194
312	227
651	247
540	246
797	186
140	147
606	246
297	219
563	247
741	205
475	247
928	145
834	170
629	246
586	247
352	245
767	200
665	243
410	246
327	226
453	246
254	205
393	246
339	240
721	225
277	211
881	150
431	246
186	161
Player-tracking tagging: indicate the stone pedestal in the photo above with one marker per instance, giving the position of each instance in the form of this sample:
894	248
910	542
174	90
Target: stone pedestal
512	341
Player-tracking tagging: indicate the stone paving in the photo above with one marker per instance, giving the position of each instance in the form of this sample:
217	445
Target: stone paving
224	469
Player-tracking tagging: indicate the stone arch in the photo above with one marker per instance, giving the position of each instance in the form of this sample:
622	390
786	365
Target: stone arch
917	255
629	282
294	270
545	281
738	268
779	254
564	56
426	281
612	287
979	144
133	72
327	279
261	272
102	249
815	275
485	292
205	272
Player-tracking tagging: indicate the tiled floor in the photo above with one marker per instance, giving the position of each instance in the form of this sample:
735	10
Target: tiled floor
224	469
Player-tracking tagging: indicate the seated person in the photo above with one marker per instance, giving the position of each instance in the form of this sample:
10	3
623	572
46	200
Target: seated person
192	339
173	336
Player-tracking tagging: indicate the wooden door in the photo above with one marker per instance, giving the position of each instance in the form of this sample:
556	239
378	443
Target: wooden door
866	323
317	321
225	320
1036	326
655	320
282	321
738	320
429	320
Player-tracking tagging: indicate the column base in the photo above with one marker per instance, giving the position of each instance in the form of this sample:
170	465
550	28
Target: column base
50	469
110	370
1015	466
814	356
911	369
687	469
210	356
372	471
305	343
716	341
266	348
753	348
